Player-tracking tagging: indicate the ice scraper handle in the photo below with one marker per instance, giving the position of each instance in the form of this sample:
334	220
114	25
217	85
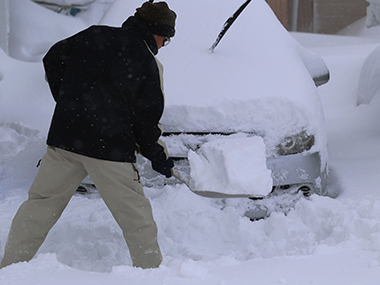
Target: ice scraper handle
164	167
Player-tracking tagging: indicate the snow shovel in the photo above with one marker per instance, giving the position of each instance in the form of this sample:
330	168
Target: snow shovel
186	179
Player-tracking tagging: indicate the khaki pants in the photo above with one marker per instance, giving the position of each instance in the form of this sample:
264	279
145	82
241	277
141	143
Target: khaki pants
59	175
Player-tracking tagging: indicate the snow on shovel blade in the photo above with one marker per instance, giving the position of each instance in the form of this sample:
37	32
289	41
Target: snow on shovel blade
186	179
230	167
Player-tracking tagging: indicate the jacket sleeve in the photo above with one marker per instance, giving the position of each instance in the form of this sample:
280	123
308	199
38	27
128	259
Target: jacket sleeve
146	113
55	62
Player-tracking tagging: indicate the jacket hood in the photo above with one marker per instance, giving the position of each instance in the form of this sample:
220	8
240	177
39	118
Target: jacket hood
135	22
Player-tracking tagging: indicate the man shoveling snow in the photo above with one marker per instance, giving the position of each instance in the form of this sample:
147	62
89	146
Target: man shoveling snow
107	84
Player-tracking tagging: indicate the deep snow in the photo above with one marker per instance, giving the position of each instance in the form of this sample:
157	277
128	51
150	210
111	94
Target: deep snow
208	241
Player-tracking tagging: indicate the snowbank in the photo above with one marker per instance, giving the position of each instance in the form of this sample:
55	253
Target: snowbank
16	79
33	29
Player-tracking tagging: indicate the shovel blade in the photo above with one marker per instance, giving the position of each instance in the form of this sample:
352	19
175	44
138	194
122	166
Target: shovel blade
185	178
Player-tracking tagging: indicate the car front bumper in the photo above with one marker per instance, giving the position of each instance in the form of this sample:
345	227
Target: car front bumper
298	169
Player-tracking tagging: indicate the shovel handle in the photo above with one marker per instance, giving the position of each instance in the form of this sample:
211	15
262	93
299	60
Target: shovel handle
181	176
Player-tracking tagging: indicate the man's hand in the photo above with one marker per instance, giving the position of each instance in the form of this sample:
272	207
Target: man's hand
164	167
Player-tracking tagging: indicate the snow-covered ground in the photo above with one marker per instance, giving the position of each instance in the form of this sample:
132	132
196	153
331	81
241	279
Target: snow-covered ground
206	241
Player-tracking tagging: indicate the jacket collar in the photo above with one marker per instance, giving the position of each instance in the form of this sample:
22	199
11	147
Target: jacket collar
145	32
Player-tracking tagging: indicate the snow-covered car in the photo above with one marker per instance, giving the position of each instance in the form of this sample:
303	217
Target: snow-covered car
258	81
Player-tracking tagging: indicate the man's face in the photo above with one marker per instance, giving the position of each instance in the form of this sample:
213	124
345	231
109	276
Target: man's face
161	41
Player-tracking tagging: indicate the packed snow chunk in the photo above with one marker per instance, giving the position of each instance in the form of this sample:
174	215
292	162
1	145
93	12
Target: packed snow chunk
231	166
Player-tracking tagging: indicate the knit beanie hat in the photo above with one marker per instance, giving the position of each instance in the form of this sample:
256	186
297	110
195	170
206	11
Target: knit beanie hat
158	17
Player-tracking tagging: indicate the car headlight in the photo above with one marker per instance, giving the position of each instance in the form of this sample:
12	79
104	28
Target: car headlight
295	144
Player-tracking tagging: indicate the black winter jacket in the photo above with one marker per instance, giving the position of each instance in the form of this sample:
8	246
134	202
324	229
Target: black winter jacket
107	87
